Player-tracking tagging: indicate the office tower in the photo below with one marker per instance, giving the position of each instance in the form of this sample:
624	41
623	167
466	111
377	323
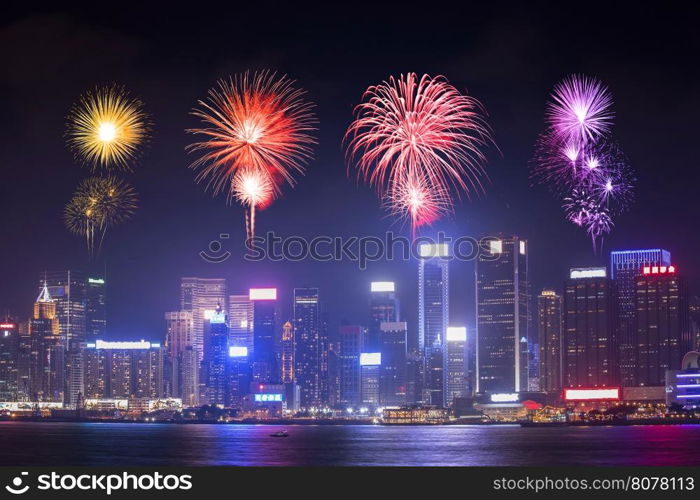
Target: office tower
533	364
324	346
591	351
549	334
287	353
238	374
370	371
47	352
433	317
662	322
188	376
216	358
307	346
383	308
334	374
201	296
264	358
625	266
95	309
178	339
240	321
69	291
502	291
455	367
351	346
414	376
123	369
9	357
392	373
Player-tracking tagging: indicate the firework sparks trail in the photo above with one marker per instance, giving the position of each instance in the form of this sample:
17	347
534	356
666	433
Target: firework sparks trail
412	134
254	190
255	123
106	127
98	204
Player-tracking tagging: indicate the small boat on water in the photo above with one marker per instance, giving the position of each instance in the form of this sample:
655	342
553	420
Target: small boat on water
280	434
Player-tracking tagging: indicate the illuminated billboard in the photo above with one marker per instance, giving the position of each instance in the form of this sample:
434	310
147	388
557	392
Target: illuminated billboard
370	359
262	294
236	351
6	326
139	344
427	250
510	397
659	270
456	333
382	286
588	272
612	393
268	398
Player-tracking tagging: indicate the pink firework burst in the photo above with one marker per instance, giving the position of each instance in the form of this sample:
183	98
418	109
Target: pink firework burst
422	129
580	109
413	199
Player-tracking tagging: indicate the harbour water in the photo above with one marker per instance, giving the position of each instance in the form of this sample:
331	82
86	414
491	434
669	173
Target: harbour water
122	444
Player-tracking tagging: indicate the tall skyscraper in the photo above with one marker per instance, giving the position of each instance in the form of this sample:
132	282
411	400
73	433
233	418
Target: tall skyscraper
69	291
625	266
590	337
307	345
351	346
178	345
370	371
392	373
201	296
287	353
383	308
433	318
549	323
95	309
216	358
264	358
47	358
240	321
9	357
502	302
662	322
456	368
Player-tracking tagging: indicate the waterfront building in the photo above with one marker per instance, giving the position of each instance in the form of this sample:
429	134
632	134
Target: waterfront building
46	361
287	353
240	318
216	359
383	308
9	358
201	296
264	358
392	374
502	302
307	346
549	323
456	369
370	371
351	346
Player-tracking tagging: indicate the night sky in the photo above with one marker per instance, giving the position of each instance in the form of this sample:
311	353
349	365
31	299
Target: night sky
507	58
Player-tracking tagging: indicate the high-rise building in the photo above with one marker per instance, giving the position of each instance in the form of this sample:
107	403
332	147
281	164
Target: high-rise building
47	351
178	338
549	330
351	346
201	296
502	302
240	321
216	358
662	322
287	353
590	338
383	308
392	373
9	357
69	291
264	358
433	318
625	266
307	345
238	374
455	367
95	309
370	371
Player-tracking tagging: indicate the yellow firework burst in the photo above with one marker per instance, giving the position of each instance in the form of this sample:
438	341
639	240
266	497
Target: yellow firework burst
106	128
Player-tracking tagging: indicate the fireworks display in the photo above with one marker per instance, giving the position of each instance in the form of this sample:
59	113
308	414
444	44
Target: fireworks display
257	134
576	158
106	127
99	204
415	141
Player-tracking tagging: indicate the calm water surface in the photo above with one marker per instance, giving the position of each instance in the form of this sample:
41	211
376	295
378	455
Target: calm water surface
105	444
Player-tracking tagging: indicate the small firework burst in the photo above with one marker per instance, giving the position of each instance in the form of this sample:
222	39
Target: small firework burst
413	199
106	128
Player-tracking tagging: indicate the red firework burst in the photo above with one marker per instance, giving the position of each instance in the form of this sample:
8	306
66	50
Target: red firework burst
423	130
415	200
257	123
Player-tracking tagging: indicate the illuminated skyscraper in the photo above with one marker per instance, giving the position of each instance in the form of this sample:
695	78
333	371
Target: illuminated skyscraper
550	339
178	345
625	266
392	378
662	322
240	319
590	338
95	309
370	371
307	345
351	346
47	351
433	318
69	291
502	302
201	296
9	357
264	359
456	368
287	353
383	308
216	358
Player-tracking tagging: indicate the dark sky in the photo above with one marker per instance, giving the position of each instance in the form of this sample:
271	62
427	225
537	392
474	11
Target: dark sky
509	58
